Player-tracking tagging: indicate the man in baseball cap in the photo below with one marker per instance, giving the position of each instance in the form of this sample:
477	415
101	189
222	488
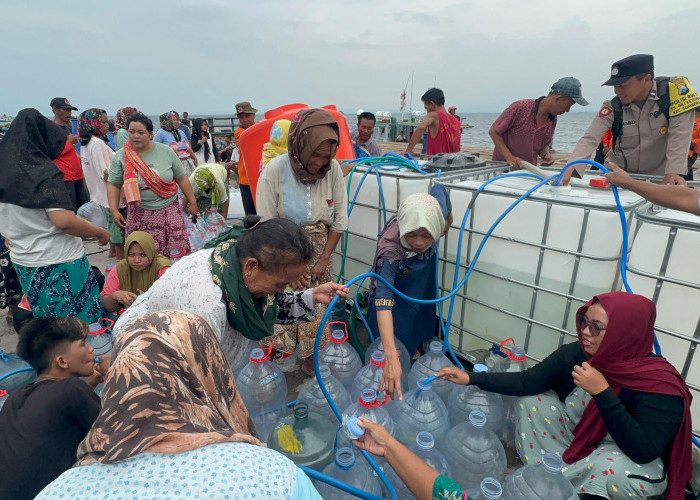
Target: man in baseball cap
62	114
650	124
246	117
525	130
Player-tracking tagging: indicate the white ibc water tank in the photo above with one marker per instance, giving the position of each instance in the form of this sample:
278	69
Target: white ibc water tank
552	253
663	267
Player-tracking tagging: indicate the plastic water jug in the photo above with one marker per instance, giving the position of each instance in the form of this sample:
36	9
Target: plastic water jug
311	394
543	480
420	410
305	437
464	399
14	372
490	490
516	361
99	336
369	375
215	220
263	388
3	397
370	406
341	358
474	452
346	469
424	447
195	235
404	356
175	255
427	365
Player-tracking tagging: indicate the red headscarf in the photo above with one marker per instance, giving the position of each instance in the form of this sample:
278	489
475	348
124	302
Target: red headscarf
622	359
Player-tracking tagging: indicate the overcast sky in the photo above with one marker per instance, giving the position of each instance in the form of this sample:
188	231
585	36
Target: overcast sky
205	55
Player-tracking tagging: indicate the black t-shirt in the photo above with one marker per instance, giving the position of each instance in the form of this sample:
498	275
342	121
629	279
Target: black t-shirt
41	426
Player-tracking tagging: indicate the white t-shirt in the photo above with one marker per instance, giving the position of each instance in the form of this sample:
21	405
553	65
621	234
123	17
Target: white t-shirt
96	158
36	242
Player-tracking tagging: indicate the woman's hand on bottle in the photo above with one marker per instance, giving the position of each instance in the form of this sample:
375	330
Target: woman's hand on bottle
323	294
376	438
193	210
124	297
391	377
454	375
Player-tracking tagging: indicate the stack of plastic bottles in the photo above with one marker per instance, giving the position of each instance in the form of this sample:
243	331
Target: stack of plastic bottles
542	481
427	366
421	410
341	358
263	387
474	452
14	372
348	470
424	447
311	394
100	337
305	437
464	399
371	406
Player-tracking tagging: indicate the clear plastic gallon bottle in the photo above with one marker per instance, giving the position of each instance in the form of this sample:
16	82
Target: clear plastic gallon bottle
311	394
464	399
341	358
427	365
540	481
420	410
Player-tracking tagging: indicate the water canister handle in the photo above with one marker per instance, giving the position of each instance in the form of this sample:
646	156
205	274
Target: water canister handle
509	354
376	402
331	329
102	327
3	393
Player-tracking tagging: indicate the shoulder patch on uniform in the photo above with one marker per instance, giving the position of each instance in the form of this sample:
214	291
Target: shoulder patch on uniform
683	97
605	111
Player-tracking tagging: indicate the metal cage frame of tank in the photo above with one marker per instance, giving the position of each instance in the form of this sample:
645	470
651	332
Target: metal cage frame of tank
642	216
468	243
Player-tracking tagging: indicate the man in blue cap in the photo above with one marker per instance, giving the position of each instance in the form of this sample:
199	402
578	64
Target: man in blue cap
650	120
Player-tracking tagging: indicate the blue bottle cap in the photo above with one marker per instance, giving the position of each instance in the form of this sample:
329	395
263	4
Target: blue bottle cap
479	368
351	424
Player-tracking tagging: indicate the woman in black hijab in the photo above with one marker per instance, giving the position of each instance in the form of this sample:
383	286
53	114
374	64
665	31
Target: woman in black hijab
41	187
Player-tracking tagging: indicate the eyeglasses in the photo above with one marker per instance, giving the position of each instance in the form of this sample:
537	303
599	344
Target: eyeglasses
593	328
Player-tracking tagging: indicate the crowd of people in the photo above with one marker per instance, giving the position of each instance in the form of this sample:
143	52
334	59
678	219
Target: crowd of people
169	403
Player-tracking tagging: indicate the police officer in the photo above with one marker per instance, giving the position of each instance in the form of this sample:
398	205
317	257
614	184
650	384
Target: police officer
649	143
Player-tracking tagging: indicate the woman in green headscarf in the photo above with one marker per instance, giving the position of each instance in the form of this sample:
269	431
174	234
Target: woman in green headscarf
134	274
209	184
237	286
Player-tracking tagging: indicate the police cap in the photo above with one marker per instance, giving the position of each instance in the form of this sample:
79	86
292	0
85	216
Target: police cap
622	70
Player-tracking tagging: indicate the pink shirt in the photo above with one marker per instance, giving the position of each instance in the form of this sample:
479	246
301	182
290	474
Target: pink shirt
448	136
112	282
518	127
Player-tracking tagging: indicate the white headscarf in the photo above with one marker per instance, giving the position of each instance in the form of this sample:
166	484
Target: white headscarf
420	210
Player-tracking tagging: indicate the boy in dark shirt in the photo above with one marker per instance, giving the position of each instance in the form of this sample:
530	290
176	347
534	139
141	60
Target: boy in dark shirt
42	424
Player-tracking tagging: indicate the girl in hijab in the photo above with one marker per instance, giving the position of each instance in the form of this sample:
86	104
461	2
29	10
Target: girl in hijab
405	257
278	142
181	412
169	134
123	115
135	274
306	186
209	184
149	174
96	157
202	144
617	414
41	187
